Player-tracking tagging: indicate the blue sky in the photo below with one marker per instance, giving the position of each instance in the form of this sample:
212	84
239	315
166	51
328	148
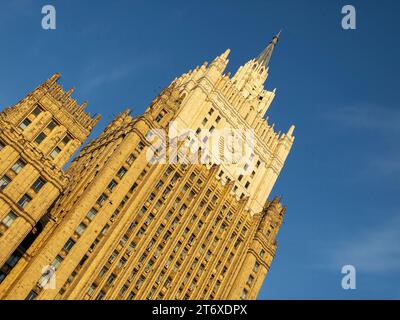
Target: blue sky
342	180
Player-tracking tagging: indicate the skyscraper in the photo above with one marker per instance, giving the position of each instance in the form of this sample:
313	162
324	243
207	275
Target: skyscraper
132	218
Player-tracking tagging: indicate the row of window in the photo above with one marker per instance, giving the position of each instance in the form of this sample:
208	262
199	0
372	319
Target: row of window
91	215
170	260
44	134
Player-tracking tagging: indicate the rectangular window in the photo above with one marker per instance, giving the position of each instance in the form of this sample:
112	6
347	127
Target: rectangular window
51	125
243	296
56	151
4	182
91	214
38	184
66	139
102	199
131	159
121	262
91	289
112	185
37	111
31	296
18	166
9	219
250	280
123	290
2	145
111	279
69	244
256	266
25	123
103	272
113	256
23	202
80	229
159	117
56	262
101	295
121	172
40	138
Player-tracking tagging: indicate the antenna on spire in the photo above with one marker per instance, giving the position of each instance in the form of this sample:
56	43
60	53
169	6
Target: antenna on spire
265	56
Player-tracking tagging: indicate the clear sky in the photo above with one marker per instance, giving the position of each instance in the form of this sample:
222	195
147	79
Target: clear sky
340	87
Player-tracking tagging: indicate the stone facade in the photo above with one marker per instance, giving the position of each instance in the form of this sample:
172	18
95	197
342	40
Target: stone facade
114	225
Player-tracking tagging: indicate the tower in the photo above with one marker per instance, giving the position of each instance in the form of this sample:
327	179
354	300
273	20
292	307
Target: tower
140	219
38	136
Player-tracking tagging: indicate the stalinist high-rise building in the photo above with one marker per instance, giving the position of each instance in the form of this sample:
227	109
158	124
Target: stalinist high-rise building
129	219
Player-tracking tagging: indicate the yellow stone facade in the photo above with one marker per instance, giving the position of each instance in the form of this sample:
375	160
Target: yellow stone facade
114	225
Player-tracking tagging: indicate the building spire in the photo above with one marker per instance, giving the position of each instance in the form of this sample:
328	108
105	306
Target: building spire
265	56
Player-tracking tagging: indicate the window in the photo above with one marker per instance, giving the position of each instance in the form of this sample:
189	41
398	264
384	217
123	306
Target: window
131	159
38	184
18	166
211	111
160	116
9	219
113	256
56	151
256	266
91	289
111	279
123	290
104	230
2	145
121	262
66	139
101	295
262	253
131	247
121	172
247	185
37	111
56	262
39	139
250	280
24	124
51	125
103	272
31	296
91	214
69	244
244	294
112	185
217	120
80	229
4	182
23	202
103	198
